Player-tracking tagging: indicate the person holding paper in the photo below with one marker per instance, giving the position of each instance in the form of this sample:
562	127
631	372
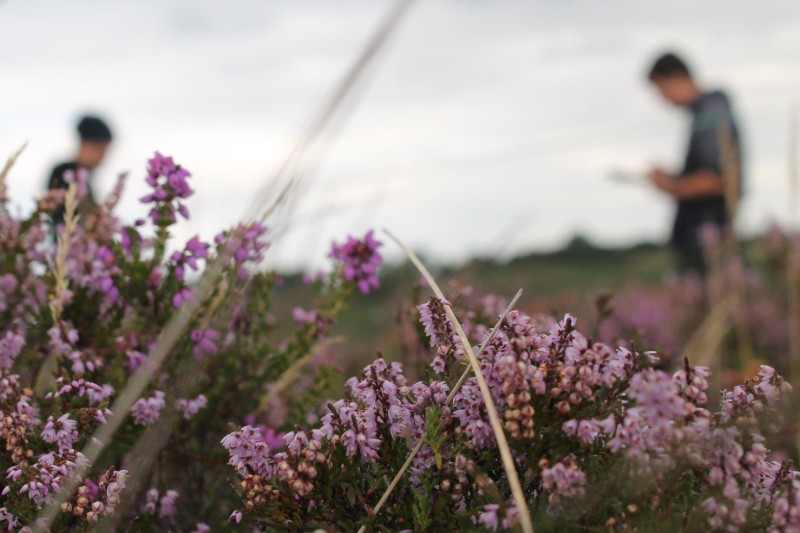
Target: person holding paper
707	189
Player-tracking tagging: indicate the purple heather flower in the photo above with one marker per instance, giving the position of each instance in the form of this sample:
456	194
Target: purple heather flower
190	407
195	249
167	504
62	432
169	184
205	341
10	347
146	410
45	477
151	501
313	317
360	261
79	387
246	245
11	521
247	450
180	297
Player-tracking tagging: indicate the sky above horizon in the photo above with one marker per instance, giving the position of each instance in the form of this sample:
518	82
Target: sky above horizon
486	128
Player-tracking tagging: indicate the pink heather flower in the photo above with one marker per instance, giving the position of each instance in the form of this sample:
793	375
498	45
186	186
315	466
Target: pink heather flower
273	439
247	450
313	317
10	347
236	516
563	480
99	396
11	521
151	502
167	504
103	268
489	517
246	244
62	432
127	236
46	476
8	284
180	297
205	341
302	317
135	358
79	387
201	528
194	251
360	261
169	184
146	410
190	407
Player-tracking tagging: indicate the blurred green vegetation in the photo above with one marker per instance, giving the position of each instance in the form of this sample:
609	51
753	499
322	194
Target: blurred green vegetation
580	270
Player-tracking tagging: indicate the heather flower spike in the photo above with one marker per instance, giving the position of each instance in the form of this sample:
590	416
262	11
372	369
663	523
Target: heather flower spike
170	187
360	261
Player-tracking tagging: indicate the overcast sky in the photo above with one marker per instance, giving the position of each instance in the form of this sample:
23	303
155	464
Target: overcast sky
501	117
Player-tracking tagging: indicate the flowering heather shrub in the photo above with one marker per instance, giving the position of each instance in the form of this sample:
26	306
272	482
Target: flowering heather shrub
664	318
80	318
601	439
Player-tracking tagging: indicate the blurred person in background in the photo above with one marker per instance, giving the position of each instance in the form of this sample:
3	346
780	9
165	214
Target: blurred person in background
95	138
708	187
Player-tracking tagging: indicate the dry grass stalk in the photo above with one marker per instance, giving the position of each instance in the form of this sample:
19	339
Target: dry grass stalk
44	375
707	338
7	168
448	401
731	174
491	409
62	250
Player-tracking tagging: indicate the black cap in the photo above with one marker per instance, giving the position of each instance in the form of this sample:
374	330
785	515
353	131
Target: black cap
94	129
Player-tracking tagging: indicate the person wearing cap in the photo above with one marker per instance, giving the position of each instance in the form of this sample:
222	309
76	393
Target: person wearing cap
95	137
707	189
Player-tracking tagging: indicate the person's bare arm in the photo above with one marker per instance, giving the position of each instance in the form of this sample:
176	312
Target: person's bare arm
698	184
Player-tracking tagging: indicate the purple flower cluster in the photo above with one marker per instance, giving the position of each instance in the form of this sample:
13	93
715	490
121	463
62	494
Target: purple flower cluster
169	184
360	261
146	410
194	251
494	517
44	478
161	505
101	276
441	334
109	300
246	244
311	318
96	500
566	403
380	406
205	341
10	347
62	432
190	407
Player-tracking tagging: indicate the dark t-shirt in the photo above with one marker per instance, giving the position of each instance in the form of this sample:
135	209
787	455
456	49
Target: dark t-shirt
712	122
58	181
